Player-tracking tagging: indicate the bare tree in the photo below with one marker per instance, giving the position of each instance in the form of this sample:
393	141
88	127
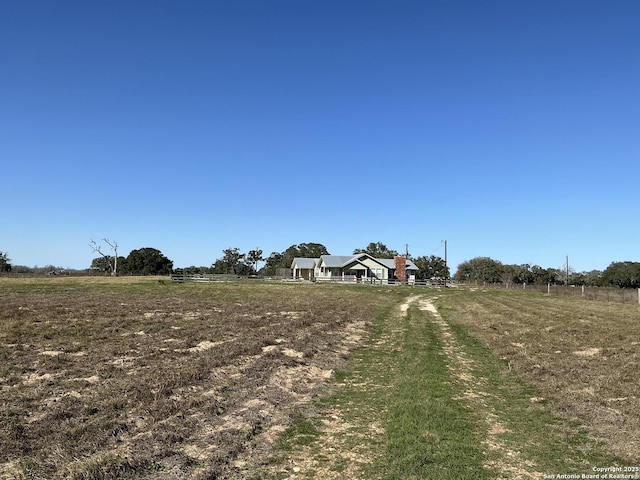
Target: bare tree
111	260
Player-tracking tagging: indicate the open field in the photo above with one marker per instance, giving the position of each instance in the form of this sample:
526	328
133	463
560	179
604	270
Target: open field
129	378
582	356
463	384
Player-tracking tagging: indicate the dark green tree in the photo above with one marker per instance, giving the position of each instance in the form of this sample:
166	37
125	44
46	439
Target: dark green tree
147	261
193	270
105	263
232	262
545	276
377	250
431	268
480	270
304	250
253	257
622	274
5	262
591	278
518	274
272	263
278	261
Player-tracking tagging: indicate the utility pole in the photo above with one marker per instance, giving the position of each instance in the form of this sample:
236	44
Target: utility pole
445	263
567	271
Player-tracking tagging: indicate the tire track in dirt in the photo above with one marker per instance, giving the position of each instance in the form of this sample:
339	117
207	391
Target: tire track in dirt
351	433
504	459
351	438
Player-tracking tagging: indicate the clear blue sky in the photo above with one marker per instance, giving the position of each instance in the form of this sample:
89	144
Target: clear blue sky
511	129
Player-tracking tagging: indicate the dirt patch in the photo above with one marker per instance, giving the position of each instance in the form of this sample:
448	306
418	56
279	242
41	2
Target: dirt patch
202	346
588	352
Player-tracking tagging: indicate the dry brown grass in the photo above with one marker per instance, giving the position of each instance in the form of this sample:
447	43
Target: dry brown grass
583	356
130	378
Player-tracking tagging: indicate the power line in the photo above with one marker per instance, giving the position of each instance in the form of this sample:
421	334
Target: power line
423	249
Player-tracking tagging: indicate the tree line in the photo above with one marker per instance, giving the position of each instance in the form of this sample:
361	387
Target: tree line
151	261
143	261
487	270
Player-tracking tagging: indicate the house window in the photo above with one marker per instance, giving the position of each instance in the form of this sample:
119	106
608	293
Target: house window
376	272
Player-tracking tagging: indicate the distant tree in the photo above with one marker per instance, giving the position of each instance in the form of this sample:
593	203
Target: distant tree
272	263
21	269
304	250
277	261
253	257
218	267
232	261
521	274
193	270
5	262
480	269
377	250
590	278
147	261
431	268
105	263
509	272
622	274
534	274
113	259
544	276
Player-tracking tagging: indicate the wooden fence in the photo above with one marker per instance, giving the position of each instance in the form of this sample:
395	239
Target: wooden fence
218	277
352	279
345	280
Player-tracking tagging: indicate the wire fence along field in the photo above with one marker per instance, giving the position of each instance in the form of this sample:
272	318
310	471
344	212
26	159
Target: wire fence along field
602	294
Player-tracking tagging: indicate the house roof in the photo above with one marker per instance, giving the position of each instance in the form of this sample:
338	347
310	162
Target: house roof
302	262
340	261
335	260
343	260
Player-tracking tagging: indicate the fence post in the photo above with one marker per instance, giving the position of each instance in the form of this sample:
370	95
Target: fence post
582	290
548	289
639	295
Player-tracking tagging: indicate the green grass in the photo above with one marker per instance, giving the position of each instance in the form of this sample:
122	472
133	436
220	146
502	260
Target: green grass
302	431
429	433
399	382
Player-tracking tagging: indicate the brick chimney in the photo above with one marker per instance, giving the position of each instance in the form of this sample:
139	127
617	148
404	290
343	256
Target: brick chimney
401	268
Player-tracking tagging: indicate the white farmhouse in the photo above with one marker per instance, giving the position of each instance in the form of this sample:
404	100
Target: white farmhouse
360	267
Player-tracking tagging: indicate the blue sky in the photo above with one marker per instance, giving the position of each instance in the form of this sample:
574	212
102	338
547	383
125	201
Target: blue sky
511	129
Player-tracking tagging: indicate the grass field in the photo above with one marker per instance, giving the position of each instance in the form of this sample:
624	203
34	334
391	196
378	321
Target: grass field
130	378
582	356
474	385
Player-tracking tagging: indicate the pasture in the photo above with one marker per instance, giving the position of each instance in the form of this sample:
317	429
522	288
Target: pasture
107	378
